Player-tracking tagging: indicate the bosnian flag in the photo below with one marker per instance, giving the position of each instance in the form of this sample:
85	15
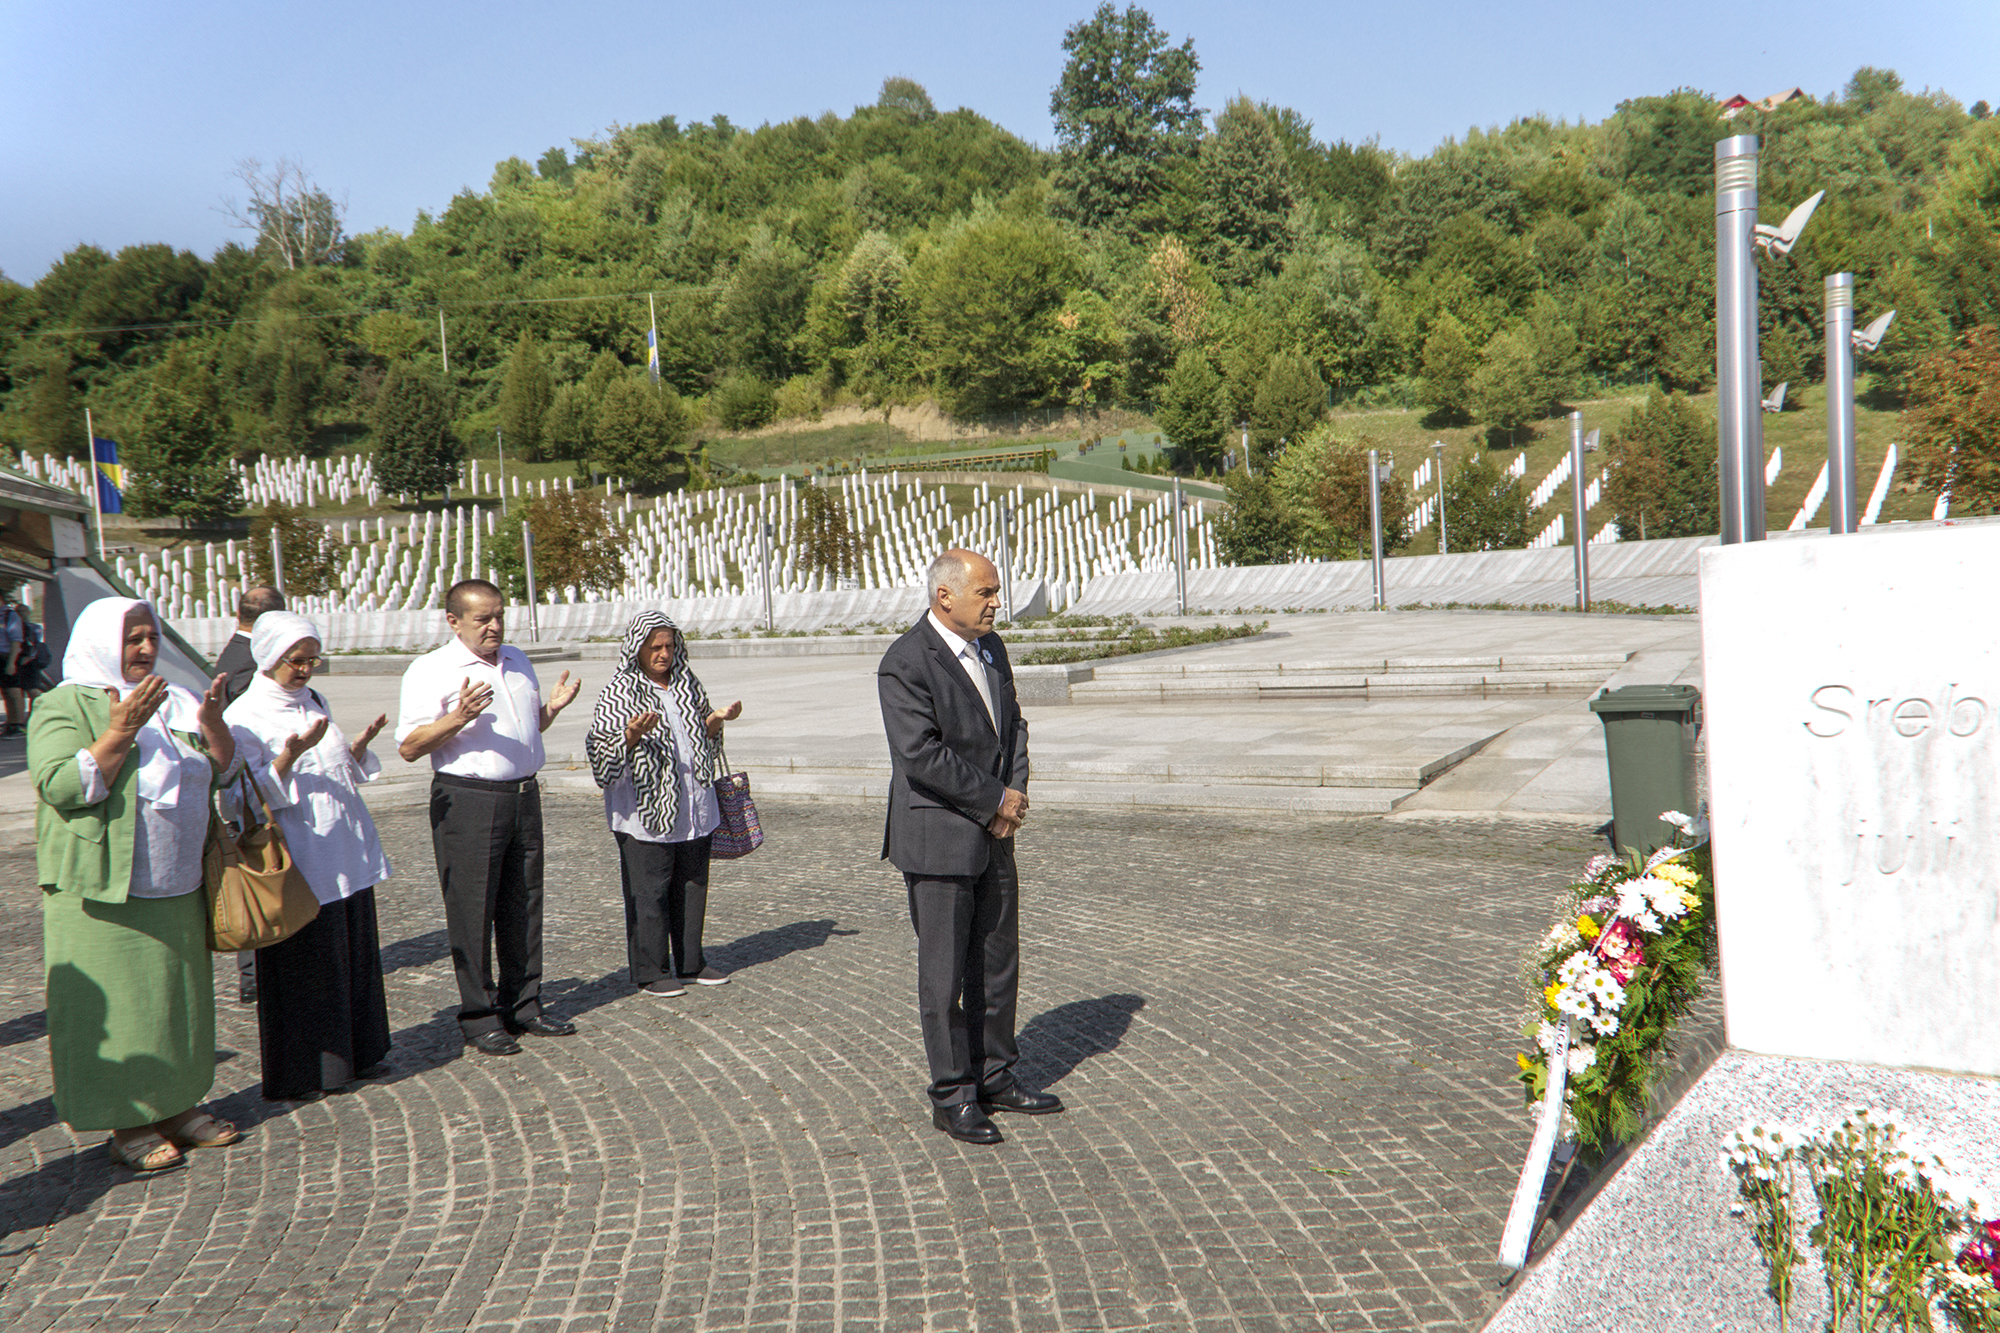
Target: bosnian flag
110	476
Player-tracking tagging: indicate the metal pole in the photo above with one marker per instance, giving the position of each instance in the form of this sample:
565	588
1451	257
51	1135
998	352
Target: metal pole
500	442
1577	510
96	480
1375	521
443	350
1437	452
1739	373
1840	402
764	534
1180	552
528	563
1007	559
1247	470
277	560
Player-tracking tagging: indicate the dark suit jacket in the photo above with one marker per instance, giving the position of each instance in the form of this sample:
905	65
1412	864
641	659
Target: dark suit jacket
950	765
236	660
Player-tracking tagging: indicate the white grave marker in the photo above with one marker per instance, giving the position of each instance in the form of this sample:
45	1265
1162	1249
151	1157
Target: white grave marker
1852	689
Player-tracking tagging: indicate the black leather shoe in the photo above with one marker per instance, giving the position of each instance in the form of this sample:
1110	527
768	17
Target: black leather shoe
967	1124
494	1043
544	1027
1021	1101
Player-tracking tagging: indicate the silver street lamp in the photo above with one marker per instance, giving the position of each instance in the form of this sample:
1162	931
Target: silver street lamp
1437	454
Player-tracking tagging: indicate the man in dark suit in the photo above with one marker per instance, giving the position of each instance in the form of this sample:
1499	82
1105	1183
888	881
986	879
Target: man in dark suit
234	660
958	747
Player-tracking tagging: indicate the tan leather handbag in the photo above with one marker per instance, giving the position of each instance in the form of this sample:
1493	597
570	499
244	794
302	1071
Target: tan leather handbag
256	895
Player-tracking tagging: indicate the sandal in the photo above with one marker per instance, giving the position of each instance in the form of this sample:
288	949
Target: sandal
199	1129
145	1153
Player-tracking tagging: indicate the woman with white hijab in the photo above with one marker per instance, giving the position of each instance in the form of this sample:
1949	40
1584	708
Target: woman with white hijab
124	764
321	1014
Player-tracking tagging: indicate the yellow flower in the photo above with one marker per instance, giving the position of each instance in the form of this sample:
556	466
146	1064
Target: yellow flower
1587	928
1525	1063
1549	995
1690	901
1678	875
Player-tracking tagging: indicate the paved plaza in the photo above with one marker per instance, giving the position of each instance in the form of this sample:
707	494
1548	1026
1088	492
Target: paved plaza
1285	1042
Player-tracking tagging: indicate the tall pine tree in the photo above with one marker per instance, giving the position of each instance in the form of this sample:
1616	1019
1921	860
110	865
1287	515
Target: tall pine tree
416	449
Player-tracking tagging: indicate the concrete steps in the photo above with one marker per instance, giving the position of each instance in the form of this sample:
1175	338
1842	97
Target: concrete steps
1165	681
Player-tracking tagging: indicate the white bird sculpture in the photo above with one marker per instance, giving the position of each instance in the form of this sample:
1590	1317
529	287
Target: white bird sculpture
1590	442
1870	338
1781	238
1776	402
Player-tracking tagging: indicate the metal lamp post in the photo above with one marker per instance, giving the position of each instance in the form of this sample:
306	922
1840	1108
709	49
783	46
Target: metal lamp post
1007	560
1180	552
1437	454
1840	482
528	565
500	444
1375	470
765	531
1577	511
1739	371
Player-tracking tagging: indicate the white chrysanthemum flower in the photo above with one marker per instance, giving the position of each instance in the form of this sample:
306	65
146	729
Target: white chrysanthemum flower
1605	990
1545	1037
1573	967
1677	819
1581	1057
1576	1003
1604	1024
1562	935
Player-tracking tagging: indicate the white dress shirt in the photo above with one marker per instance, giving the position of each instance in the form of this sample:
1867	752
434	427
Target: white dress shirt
502	744
317	803
969	658
696	813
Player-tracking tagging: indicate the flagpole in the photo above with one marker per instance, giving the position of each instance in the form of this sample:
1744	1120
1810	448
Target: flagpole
96	480
653	338
443	351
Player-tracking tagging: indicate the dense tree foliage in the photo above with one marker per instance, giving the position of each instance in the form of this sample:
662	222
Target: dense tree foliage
1663	478
1953	422
902	252
415	449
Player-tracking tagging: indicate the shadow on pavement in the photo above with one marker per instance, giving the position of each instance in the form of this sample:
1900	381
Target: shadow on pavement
417	951
25	1027
768	946
1055	1043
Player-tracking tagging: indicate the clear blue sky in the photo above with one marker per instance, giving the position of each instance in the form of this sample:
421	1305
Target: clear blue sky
122	120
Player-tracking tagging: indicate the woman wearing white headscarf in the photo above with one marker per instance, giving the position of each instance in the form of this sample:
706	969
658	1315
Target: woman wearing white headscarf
321	1014
655	749
124	765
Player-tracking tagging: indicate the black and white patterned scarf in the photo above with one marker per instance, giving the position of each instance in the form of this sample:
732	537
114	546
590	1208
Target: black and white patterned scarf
655	763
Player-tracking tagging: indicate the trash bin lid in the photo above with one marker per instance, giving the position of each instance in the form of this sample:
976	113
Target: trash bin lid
1647	699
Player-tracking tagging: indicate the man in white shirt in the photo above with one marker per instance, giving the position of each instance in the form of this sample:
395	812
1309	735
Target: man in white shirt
475	707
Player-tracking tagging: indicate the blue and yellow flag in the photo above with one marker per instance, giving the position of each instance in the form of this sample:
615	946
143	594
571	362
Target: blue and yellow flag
653	354
110	476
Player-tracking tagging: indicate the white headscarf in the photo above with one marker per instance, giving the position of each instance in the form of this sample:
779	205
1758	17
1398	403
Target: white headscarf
270	711
95	659
275	633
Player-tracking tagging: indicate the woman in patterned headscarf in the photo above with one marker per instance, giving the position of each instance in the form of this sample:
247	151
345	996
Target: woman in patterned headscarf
124	764
655	748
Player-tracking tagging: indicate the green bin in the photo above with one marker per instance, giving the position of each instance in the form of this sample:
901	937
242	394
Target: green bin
1649	735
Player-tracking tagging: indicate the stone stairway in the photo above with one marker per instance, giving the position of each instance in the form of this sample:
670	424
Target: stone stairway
1168	680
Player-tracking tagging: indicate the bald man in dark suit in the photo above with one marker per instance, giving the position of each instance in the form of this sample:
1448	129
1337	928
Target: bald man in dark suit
958	748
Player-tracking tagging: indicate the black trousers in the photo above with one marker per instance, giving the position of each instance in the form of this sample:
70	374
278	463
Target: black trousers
666	899
968	977
488	839
321	1014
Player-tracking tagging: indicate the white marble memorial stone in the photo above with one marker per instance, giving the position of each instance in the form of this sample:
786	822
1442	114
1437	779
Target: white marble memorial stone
1851	689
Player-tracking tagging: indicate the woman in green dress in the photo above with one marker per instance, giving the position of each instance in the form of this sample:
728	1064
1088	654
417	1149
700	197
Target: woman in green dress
124	764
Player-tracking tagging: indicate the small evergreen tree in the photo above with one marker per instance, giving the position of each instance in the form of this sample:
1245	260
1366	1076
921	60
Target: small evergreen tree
1663	471
1190	407
416	449
569	428
525	393
1449	364
1485	509
1505	389
1256	528
176	464
1291	398
310	565
827	546
641	431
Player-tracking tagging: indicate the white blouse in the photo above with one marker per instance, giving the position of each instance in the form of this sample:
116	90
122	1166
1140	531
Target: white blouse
318	803
167	840
696	813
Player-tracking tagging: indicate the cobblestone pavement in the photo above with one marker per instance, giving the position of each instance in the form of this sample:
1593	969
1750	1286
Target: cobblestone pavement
1285	1044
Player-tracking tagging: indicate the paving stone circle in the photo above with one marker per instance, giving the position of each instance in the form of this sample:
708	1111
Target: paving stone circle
1285	1042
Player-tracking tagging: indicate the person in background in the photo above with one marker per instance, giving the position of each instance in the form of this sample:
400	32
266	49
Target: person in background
475	707
655	748
15	669
124	765
236	660
238	663
322	1017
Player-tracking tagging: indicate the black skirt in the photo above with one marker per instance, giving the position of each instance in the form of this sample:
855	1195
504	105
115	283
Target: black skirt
321	1014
